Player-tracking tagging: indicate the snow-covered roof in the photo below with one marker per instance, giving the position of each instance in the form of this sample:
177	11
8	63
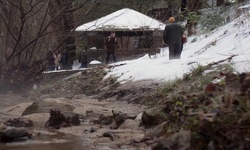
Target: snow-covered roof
123	20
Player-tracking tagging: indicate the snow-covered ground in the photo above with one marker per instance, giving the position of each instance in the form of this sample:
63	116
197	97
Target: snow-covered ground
230	39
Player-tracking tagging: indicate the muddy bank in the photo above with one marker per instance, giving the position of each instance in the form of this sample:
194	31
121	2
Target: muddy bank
90	82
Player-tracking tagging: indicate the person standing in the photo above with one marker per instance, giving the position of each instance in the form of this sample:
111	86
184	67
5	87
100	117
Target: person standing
172	37
64	59
51	61
83	59
57	59
111	45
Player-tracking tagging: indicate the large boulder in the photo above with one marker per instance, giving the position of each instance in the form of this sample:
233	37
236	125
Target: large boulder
105	120
157	131
72	118
45	107
19	122
120	118
58	119
154	116
180	141
130	124
12	134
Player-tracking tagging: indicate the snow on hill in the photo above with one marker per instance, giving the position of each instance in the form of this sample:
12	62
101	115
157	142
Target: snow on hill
228	40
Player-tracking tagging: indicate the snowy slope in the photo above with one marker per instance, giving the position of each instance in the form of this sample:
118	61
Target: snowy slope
233	38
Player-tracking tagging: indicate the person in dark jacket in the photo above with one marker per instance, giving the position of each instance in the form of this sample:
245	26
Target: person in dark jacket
83	59
111	45
64	59
51	62
172	37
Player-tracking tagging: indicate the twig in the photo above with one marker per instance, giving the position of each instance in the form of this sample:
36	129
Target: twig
220	61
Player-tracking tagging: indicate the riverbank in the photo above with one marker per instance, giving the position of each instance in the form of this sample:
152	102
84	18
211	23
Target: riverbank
146	114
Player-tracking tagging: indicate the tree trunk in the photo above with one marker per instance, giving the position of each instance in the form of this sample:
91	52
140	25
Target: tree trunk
194	5
183	5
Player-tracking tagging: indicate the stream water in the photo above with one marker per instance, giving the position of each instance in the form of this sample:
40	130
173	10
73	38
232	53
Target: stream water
49	142
62	141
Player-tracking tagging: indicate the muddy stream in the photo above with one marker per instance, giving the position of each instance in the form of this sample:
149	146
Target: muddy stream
85	136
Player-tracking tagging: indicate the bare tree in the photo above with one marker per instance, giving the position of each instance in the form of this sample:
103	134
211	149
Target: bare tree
29	29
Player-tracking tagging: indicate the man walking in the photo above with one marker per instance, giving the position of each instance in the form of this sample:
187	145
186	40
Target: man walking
172	37
111	44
